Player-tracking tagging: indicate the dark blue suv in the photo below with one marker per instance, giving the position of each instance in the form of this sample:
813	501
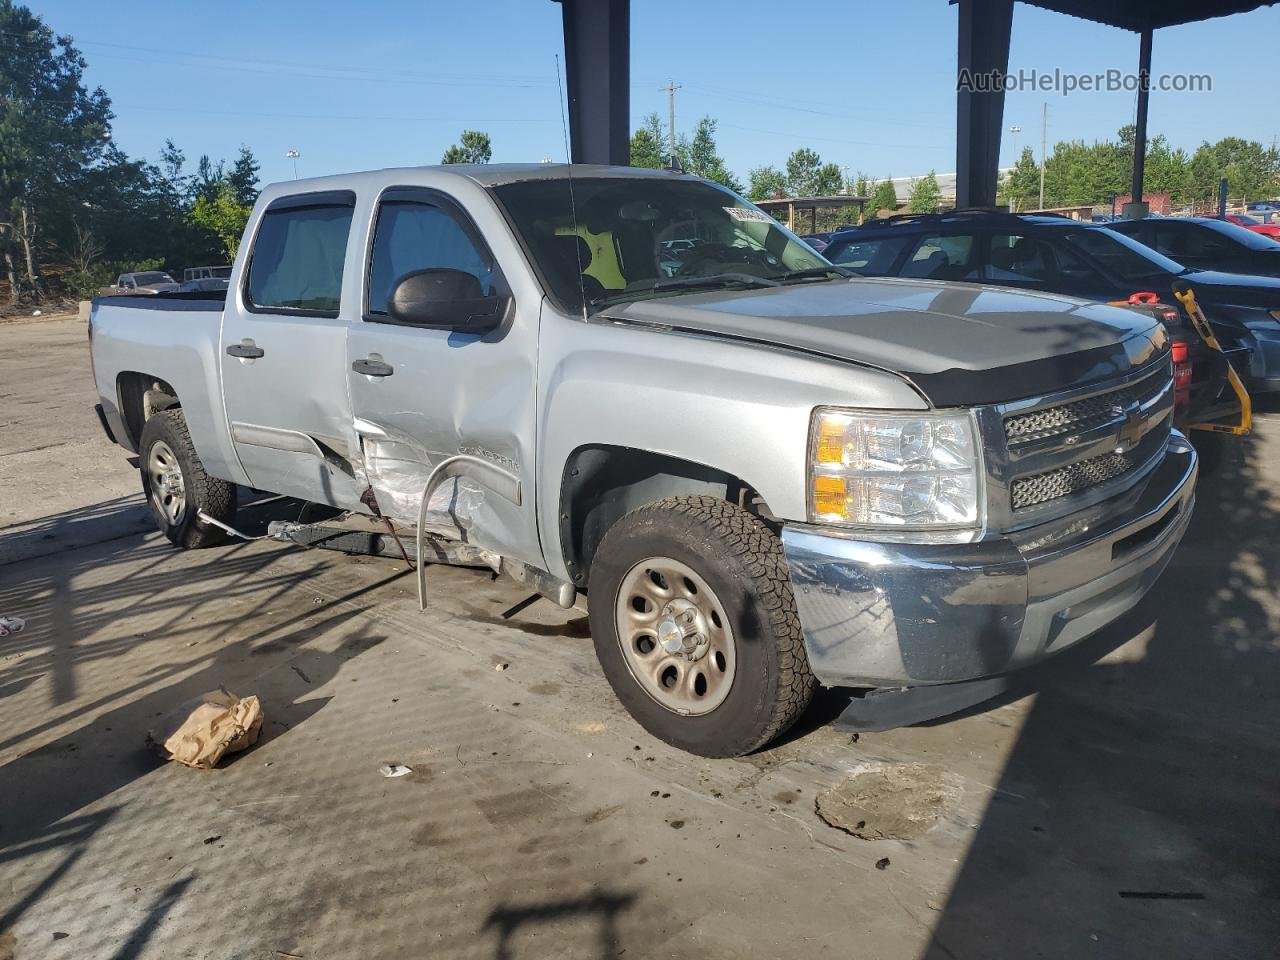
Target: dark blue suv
1064	256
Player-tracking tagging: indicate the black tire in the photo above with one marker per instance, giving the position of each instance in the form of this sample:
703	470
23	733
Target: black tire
741	560
215	497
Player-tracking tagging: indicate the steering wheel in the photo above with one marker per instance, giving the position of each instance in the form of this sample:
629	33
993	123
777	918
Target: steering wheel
695	262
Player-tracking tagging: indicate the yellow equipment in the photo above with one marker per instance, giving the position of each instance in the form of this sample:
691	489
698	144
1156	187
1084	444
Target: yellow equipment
1186	296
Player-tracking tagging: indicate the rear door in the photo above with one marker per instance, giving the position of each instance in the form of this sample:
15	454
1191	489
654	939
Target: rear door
442	393
284	352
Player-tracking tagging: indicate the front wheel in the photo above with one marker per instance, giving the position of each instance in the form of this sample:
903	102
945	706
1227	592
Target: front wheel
695	625
176	486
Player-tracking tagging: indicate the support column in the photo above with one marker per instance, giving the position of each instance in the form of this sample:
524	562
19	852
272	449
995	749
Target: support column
597	61
1136	207
984	29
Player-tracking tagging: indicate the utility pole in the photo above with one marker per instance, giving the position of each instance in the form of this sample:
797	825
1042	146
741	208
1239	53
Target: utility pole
293	155
671	89
1044	141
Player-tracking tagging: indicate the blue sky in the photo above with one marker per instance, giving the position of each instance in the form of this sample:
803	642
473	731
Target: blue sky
869	85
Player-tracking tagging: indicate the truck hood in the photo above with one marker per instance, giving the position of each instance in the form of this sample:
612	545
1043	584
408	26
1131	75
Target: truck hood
959	343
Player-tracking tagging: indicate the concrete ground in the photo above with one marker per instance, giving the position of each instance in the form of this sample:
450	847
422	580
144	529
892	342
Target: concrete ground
1126	810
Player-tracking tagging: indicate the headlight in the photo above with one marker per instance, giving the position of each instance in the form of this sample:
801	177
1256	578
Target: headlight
894	470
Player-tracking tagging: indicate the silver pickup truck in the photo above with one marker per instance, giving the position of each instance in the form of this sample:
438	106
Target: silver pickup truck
763	473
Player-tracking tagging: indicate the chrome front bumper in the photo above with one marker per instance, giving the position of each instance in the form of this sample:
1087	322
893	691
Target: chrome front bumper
906	613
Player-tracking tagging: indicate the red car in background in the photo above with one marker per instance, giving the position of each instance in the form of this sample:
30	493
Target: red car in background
1271	230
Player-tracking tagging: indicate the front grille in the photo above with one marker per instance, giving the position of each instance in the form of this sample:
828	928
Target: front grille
1080	415
1081	475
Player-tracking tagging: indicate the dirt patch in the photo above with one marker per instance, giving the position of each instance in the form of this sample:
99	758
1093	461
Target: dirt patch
890	801
8	945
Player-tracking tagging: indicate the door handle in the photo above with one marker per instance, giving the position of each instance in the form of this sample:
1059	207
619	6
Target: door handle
247	350
372	368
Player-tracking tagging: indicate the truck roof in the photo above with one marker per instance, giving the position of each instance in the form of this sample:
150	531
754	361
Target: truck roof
485	174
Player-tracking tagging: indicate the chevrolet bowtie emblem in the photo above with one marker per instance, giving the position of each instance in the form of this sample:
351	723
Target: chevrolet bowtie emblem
1131	430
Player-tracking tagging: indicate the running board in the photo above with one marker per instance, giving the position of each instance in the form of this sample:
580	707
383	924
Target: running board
367	536
357	534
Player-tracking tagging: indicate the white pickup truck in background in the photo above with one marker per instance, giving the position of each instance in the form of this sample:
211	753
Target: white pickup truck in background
763	473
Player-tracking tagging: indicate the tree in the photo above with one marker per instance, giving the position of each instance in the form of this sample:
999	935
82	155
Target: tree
1251	170
802	172
700	157
208	178
766	183
51	128
861	186
225	216
883	197
473	147
808	176
925	195
648	144
243	176
1022	187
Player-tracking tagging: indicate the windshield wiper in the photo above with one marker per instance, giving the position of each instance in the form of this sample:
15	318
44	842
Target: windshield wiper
714	280
817	272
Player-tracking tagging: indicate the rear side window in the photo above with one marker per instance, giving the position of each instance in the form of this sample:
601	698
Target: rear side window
874	257
297	261
1019	258
413	235
939	257
1179	240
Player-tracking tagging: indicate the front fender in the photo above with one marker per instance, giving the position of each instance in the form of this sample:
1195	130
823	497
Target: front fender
741	408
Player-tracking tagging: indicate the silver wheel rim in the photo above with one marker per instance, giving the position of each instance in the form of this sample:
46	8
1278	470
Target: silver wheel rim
164	479
675	637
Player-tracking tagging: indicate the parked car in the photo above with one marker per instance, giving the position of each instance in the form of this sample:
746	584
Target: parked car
762	473
206	273
818	241
1254	225
146	282
1060	255
1206	243
205	285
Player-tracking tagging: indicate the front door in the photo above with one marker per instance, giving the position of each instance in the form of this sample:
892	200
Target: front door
437	393
283	353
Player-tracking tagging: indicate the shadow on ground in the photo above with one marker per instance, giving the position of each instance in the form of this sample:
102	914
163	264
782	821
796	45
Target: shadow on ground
1177	727
204	637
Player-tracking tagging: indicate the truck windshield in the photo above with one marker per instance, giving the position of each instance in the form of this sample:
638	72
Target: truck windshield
643	237
152	277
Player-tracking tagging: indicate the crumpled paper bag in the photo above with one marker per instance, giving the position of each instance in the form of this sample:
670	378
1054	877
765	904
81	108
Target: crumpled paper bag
202	731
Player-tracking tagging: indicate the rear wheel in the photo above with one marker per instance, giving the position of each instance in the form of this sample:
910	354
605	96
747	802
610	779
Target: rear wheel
177	487
695	625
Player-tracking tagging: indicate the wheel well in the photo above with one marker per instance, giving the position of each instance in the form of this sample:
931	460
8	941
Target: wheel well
142	395
602	483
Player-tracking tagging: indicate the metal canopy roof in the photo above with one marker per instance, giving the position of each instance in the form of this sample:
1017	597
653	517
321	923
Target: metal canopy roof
1139	15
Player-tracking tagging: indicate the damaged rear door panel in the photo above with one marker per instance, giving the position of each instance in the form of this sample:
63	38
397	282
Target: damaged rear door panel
283	353
422	395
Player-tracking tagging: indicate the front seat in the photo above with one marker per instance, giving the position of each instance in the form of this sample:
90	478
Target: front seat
572	258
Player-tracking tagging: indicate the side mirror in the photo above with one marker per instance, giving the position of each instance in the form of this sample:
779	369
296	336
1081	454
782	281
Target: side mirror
441	298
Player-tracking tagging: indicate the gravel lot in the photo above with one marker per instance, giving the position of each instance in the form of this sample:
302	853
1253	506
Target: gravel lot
1126	810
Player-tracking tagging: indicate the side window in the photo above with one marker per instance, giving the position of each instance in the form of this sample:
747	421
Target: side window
1178	240
874	257
1073	269
415	235
1018	258
937	257
297	261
